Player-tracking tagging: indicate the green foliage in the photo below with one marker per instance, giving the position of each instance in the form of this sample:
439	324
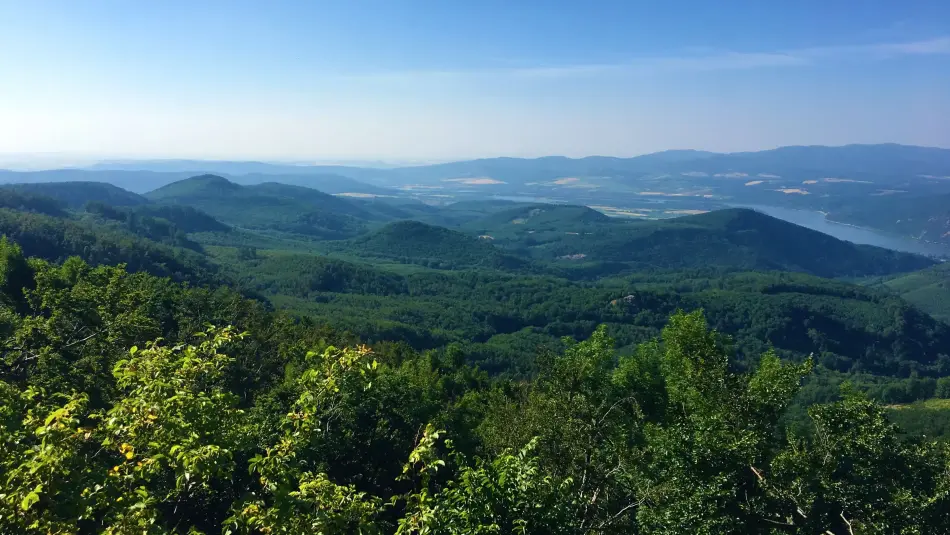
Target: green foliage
183	218
268	206
29	202
77	194
735	238
719	428
307	275
855	475
122	410
928	418
666	440
57	239
432	246
502	320
928	289
510	494
293	497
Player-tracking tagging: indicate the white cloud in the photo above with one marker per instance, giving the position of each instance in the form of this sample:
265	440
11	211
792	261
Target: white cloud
936	46
703	60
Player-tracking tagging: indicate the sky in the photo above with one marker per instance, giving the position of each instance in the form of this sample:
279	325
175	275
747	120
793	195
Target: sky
429	81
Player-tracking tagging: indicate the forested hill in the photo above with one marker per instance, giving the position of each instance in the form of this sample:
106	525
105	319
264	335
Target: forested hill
77	194
733	238
541	217
928	289
268	206
58	238
419	243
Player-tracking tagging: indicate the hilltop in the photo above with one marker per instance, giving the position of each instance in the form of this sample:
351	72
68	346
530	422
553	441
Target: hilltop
77	194
732	238
268	206
541	217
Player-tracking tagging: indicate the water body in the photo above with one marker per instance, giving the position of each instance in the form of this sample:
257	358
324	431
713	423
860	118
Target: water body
817	221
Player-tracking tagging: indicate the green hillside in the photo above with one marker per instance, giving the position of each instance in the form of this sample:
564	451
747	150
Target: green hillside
732	238
541	217
77	194
58	238
495	316
434	246
924	218
268	206
325	182
928	289
30	202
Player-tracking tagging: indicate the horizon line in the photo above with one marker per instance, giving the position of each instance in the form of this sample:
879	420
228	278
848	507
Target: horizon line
353	161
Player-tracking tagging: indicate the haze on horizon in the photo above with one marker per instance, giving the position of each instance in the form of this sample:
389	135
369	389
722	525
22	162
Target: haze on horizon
401	81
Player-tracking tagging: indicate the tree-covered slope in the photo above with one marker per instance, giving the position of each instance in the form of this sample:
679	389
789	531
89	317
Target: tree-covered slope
541	217
77	194
925	218
268	206
325	182
121	411
733	238
498	316
57	238
435	246
929	289
30	202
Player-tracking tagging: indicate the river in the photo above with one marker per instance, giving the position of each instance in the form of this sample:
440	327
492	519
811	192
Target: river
817	221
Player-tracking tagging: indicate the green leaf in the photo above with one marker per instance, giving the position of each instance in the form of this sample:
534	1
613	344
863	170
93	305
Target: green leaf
29	500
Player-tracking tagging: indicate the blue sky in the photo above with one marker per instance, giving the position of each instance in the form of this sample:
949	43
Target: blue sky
441	80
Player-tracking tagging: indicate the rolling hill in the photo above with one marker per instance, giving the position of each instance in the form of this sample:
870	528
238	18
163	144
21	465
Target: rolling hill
829	179
58	238
325	182
77	194
882	160
268	206
542	217
137	181
924	218
732	238
928	289
434	246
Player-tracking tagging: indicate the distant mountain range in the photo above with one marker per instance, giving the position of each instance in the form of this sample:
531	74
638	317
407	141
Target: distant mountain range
894	188
885	164
144	180
860	159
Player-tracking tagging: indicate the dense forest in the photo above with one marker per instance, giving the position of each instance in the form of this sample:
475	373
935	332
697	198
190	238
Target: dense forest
169	366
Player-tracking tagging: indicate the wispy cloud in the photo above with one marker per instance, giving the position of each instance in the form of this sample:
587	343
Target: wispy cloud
702	60
879	51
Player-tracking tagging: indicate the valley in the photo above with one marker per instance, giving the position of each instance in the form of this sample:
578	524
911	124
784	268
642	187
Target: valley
477	311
